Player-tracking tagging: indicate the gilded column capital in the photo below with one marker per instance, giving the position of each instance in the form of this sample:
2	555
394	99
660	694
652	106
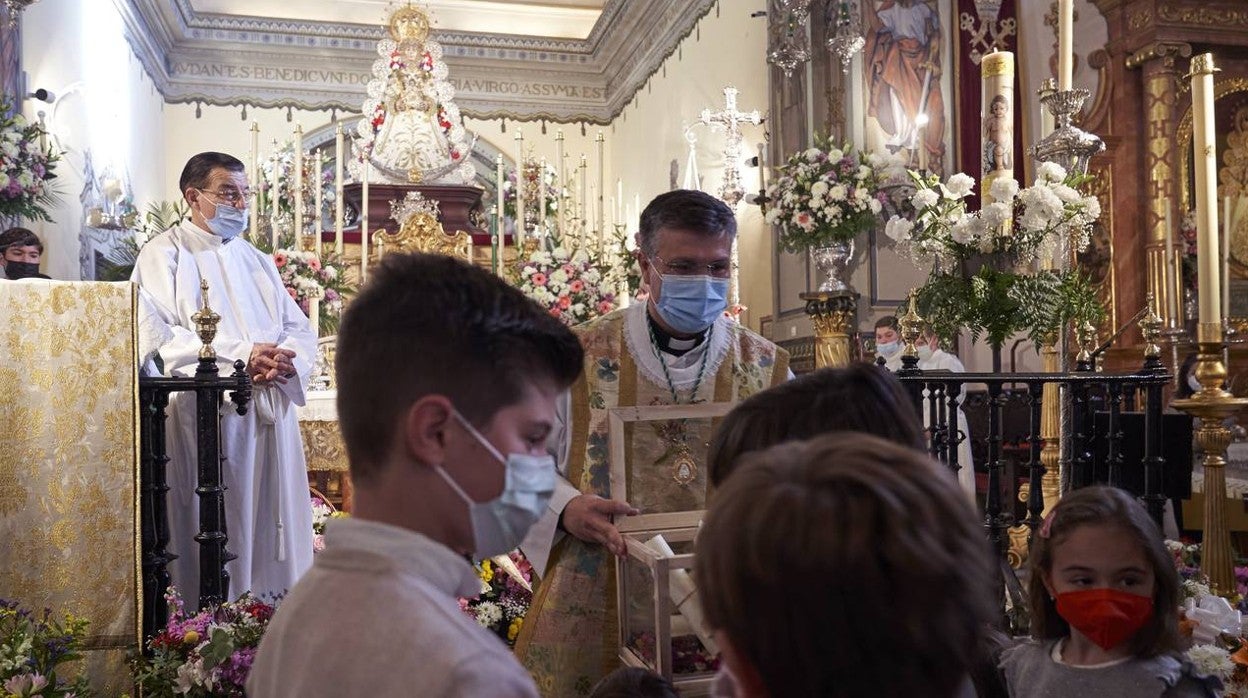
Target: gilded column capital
835	317
1160	56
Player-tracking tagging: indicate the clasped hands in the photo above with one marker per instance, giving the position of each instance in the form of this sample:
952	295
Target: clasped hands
588	517
270	363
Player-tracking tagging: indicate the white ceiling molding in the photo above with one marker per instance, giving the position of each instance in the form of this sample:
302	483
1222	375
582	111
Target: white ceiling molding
229	59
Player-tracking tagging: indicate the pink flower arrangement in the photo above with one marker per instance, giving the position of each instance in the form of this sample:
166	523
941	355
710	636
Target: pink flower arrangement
568	283
208	653
307	277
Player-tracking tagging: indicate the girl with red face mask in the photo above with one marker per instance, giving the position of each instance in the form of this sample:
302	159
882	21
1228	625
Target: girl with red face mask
1104	600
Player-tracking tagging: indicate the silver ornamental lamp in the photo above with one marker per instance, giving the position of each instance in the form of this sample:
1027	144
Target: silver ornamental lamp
788	44
845	36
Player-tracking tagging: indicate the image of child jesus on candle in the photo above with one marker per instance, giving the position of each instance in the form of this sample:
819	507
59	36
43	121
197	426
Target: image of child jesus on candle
999	135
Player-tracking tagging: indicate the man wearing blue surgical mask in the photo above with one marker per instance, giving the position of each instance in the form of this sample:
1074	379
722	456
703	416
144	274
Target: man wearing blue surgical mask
678	347
266	509
447	384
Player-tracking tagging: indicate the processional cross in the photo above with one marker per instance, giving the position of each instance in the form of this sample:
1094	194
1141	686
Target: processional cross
730	120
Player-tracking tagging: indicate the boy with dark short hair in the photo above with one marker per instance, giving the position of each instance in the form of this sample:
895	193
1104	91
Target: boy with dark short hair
447	384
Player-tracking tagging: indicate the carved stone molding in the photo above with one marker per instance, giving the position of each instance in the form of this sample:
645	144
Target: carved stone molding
231	60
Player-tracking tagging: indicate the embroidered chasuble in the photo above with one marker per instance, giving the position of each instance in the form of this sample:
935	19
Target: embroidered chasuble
569	639
69	468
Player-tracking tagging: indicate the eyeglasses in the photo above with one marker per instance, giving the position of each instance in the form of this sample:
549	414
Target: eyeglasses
230	196
720	270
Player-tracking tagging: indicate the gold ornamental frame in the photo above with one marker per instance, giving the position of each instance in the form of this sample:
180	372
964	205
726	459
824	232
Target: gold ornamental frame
423	233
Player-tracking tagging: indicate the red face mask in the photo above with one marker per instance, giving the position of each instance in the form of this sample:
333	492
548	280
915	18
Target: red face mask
1108	617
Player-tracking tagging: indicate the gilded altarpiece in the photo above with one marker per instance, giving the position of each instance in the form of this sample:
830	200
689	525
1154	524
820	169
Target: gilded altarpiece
1141	117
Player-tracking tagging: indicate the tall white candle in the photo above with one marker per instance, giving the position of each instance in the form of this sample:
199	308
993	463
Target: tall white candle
314	316
1205	166
275	194
997	132
602	227
1171	272
1047	120
584	194
617	208
1065	44
256	178
364	225
560	186
318	222
637	212
500	229
338	183
521	226
1226	256
297	163
541	194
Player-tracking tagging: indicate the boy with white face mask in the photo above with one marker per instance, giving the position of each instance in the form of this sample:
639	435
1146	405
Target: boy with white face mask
447	382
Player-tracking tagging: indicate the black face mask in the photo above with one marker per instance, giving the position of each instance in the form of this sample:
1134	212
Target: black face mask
20	270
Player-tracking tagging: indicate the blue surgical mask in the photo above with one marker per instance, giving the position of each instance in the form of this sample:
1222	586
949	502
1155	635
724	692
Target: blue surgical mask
887	349
690	304
499	525
228	222
925	352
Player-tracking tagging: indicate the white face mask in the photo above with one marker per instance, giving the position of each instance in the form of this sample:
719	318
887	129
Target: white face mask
925	352
500	524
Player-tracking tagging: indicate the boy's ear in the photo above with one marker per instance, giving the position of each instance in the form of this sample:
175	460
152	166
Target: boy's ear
423	429
748	682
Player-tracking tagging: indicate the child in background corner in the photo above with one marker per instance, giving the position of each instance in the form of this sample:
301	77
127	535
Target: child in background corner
1104	598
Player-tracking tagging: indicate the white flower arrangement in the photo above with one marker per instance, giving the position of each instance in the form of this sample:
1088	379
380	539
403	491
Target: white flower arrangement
827	194
1211	660
1049	216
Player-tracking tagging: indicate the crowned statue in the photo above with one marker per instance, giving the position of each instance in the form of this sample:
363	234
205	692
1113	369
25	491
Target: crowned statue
412	133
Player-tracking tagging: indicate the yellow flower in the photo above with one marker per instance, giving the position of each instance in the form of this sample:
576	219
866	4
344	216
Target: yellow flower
191	637
514	629
487	571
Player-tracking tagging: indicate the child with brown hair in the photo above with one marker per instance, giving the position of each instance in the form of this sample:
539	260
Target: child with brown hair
1104	599
860	397
843	566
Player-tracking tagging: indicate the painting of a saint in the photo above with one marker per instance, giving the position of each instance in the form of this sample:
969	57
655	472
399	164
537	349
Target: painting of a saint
903	65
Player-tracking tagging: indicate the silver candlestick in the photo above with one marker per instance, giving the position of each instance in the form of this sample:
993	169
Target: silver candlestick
1068	145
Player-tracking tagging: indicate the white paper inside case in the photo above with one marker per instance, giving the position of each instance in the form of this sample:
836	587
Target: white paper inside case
684	596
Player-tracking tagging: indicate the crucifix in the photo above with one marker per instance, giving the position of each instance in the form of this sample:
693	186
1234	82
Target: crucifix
730	120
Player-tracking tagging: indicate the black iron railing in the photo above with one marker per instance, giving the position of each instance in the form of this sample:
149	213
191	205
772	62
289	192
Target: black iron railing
1114	396
210	390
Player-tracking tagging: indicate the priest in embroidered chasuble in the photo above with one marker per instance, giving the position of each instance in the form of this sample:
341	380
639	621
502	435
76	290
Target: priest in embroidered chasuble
676	348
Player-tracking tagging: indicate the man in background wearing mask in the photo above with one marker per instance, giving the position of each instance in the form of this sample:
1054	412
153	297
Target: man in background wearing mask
888	342
678	347
20	251
266	500
447	384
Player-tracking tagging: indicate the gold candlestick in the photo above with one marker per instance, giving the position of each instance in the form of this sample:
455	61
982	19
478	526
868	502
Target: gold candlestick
206	320
1211	404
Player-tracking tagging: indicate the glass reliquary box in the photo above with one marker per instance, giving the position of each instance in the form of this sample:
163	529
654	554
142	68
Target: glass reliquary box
657	458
